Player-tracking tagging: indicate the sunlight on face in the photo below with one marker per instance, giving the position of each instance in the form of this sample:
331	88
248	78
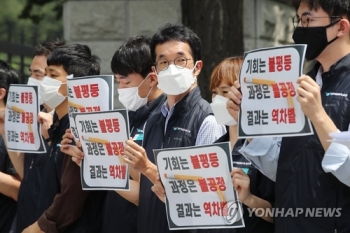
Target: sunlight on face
222	90
58	73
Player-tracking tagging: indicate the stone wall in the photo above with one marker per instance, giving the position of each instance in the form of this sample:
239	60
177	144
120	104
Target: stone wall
104	25
267	23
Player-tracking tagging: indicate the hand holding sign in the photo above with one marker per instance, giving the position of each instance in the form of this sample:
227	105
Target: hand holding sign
309	97
235	97
136	156
241	183
72	150
77	150
45	119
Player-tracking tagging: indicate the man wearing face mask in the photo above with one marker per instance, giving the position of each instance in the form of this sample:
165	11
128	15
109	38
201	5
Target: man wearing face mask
38	65
311	173
37	72
138	92
185	118
32	168
63	205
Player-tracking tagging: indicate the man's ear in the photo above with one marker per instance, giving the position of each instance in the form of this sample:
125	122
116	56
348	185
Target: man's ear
2	93
153	79
154	69
198	67
344	27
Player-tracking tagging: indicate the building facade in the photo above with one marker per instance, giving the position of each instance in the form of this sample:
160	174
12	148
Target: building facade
105	24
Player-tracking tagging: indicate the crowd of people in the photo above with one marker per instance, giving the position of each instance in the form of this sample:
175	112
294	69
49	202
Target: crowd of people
157	83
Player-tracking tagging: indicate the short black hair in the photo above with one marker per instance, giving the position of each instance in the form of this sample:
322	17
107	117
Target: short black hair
46	47
177	32
76	59
133	57
331	7
7	76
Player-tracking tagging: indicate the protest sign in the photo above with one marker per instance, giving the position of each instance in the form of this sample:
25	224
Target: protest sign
199	191
21	120
89	94
103	136
269	104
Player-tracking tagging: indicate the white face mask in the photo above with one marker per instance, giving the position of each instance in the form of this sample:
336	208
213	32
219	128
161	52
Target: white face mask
49	92
220	111
131	99
52	112
35	82
175	81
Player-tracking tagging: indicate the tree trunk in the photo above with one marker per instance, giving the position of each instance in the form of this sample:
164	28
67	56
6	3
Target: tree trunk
219	24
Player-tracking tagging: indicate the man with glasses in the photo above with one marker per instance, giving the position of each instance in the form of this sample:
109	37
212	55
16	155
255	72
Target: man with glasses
312	174
185	118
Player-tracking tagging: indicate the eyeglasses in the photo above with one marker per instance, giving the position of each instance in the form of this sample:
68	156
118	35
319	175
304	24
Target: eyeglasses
179	62
305	19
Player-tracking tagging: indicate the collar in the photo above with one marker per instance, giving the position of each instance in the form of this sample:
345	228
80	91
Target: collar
56	131
319	76
186	103
166	111
336	71
142	114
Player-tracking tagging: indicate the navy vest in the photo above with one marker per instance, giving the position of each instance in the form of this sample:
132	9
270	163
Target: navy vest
182	130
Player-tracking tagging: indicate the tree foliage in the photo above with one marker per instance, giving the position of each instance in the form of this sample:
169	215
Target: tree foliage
12	24
33	9
23	25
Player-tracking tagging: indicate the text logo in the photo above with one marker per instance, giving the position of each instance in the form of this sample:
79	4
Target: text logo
234	212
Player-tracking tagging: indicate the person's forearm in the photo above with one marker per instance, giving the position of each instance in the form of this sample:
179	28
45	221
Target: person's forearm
133	194
9	185
135	175
233	135
151	172
17	159
34	228
255	203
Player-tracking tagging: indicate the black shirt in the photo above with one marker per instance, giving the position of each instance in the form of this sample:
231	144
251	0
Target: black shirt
7	204
31	184
301	181
53	165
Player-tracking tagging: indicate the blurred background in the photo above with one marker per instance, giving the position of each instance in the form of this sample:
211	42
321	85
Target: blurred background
226	27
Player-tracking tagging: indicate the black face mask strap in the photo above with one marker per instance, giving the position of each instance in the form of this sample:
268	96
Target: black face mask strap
331	41
330	25
333	23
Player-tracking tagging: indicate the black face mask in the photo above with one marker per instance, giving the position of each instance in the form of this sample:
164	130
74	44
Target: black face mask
314	37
